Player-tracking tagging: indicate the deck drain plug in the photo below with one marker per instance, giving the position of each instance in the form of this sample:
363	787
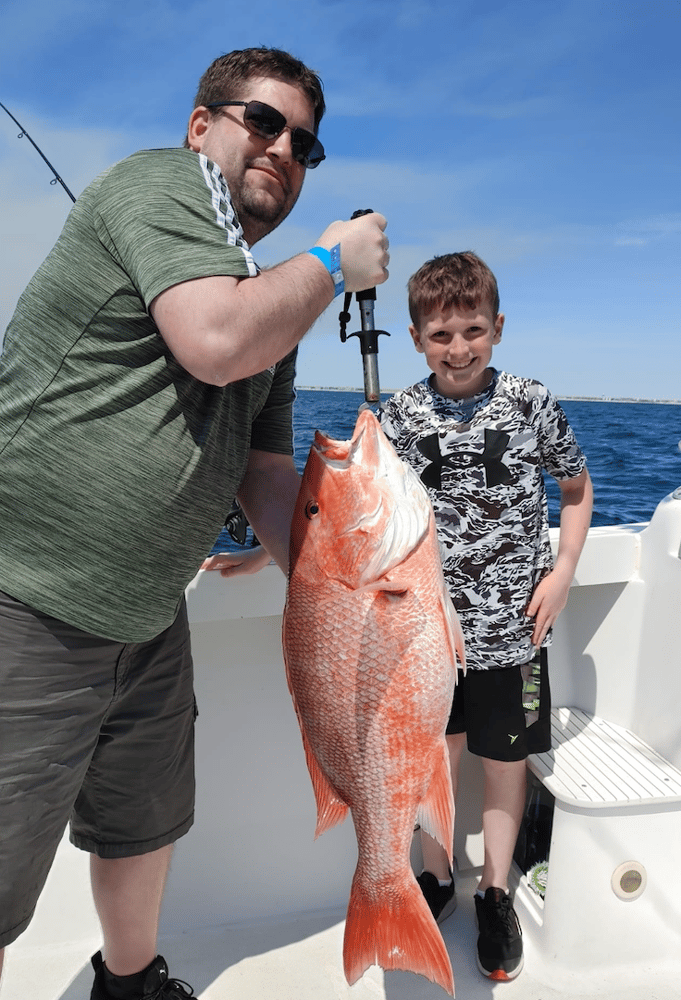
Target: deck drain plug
629	880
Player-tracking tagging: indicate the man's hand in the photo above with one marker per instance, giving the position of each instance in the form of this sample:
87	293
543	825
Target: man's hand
238	563
364	250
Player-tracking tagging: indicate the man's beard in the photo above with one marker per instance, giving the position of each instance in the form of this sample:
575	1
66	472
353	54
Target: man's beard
260	212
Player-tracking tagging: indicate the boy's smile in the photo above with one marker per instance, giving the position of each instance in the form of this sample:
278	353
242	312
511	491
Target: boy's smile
458	343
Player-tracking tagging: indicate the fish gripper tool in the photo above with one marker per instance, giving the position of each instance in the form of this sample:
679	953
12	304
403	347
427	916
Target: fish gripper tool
368	335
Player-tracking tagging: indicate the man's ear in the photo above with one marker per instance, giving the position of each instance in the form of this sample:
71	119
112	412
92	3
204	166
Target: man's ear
498	327
199	122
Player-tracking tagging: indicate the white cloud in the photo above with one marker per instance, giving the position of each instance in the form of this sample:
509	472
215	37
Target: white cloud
641	232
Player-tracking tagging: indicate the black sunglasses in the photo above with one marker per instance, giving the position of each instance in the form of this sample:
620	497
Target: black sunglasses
268	123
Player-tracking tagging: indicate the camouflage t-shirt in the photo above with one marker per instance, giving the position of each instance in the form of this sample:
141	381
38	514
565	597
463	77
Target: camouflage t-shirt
482	461
118	467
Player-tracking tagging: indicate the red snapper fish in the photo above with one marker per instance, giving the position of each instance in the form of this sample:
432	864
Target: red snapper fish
371	640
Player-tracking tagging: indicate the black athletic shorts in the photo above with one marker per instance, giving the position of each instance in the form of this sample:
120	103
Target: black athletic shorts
505	713
97	732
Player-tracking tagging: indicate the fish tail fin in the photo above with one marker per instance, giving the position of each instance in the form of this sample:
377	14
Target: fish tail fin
394	931
436	811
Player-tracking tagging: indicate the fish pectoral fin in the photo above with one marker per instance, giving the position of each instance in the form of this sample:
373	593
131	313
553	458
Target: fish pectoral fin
395	588
454	633
331	809
436	812
394	930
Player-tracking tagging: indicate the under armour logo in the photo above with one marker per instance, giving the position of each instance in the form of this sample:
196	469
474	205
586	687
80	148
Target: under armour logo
496	472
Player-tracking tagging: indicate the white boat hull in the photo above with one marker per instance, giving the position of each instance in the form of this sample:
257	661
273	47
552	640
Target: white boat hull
254	904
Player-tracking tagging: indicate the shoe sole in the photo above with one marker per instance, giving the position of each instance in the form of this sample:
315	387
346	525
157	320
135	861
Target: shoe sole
500	975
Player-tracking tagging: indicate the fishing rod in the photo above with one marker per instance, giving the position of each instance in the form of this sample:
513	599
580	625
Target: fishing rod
368	336
39	150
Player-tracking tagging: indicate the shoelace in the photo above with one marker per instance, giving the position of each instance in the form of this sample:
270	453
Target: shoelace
171	989
501	918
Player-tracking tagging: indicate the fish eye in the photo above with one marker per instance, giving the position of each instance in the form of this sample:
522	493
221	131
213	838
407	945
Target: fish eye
311	509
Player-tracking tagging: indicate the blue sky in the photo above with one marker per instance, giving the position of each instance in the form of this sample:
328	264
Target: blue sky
543	134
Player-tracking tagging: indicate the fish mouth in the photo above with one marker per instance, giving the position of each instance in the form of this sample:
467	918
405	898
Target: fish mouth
394	513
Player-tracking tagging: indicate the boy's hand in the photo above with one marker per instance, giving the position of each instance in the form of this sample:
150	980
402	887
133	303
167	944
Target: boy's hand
548	600
550	596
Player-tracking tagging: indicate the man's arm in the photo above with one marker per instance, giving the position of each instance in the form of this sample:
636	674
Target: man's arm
268	496
222	329
550	596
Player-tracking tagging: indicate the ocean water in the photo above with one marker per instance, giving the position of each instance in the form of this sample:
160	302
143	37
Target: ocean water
632	449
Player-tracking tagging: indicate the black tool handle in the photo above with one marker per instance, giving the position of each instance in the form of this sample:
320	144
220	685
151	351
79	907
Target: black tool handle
368	293
369	335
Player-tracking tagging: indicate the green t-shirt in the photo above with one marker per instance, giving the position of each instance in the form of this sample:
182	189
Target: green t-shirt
117	467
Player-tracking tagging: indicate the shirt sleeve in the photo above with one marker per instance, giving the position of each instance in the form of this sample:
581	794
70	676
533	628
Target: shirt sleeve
561	455
166	216
273	427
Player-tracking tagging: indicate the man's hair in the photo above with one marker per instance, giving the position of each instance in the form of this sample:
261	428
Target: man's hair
226	78
453	279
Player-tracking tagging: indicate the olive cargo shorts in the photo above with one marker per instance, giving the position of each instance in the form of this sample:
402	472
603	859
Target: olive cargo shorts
97	732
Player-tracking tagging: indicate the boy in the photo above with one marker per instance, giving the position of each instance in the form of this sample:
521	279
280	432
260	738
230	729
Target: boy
479	440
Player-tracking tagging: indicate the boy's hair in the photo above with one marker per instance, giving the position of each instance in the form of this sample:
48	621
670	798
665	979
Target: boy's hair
226	78
452	279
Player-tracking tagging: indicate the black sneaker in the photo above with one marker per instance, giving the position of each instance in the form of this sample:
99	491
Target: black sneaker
440	898
500	941
157	985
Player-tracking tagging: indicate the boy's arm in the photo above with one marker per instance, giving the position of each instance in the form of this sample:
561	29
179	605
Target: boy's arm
551	594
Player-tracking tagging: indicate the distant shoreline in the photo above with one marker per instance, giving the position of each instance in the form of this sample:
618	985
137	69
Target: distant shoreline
582	399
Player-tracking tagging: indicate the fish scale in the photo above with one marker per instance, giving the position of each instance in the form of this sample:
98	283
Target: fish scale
370	643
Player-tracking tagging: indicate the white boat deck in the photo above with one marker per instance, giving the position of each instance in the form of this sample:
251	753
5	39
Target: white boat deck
299	958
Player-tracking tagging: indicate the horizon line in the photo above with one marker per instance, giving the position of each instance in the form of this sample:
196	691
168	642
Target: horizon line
585	399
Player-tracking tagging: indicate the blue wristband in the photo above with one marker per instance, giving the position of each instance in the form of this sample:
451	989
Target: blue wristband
331	261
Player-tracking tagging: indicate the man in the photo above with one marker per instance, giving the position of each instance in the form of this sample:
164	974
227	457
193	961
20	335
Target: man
147	378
